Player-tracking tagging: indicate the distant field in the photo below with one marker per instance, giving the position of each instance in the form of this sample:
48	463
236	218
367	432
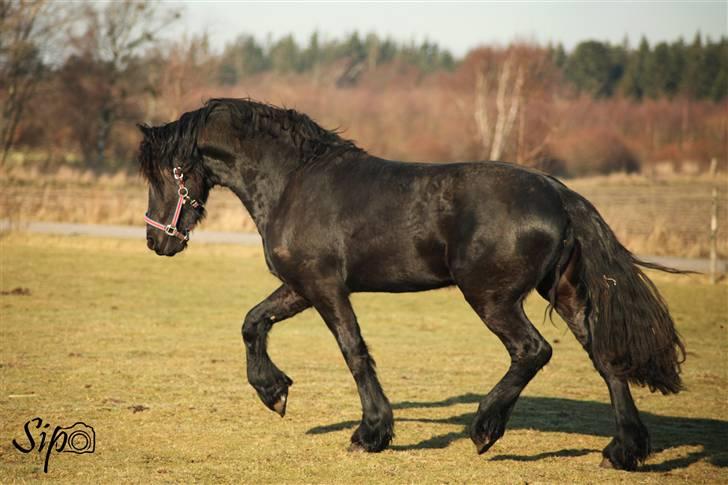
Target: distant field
668	217
147	350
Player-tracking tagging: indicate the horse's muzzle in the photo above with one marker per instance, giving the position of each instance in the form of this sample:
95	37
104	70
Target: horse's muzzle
166	246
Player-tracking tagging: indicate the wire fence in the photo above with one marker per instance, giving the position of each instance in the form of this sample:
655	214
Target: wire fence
655	217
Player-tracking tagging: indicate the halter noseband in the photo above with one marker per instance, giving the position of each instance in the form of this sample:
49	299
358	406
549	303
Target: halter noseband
171	228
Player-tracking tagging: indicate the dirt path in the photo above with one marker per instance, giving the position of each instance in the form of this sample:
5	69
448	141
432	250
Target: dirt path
125	232
252	239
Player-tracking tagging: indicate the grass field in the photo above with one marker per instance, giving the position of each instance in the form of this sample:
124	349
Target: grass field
147	350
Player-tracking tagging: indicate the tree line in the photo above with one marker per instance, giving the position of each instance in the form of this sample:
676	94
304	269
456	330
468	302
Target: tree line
75	78
698	70
248	56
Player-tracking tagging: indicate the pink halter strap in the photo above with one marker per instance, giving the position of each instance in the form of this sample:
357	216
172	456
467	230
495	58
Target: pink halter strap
171	228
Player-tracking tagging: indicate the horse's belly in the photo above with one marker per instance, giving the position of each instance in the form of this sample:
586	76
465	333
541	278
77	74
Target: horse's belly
399	268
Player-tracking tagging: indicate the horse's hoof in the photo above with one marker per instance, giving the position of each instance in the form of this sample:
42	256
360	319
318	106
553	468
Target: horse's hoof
372	438
619	456
356	448
486	430
484	446
280	405
606	463
274	395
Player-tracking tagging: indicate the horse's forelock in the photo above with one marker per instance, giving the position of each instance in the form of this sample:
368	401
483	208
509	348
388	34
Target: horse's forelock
163	147
150	161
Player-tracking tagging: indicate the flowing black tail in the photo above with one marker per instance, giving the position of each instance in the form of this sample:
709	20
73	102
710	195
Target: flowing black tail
631	329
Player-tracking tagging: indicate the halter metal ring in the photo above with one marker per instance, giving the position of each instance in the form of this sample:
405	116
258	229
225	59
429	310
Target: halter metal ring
176	176
182	192
170	231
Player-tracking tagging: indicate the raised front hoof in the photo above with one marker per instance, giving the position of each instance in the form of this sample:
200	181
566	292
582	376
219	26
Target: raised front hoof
619	456
485	431
275	396
371	438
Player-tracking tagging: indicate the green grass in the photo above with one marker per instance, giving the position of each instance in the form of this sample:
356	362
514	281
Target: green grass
109	326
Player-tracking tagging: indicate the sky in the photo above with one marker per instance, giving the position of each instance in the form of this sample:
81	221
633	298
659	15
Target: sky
457	26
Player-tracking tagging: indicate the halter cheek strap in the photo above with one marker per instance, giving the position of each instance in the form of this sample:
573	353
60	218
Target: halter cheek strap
171	228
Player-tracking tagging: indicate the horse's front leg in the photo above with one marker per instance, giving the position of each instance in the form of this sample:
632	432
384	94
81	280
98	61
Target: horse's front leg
377	425
267	379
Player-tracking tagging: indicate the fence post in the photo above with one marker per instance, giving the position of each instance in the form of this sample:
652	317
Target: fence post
713	225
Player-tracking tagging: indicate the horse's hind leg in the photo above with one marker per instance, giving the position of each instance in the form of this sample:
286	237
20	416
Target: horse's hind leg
268	380
632	441
503	315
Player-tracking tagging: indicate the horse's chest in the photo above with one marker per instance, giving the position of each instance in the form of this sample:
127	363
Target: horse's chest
294	264
277	258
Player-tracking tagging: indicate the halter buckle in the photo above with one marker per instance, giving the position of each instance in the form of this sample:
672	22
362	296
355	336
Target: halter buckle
176	176
170	231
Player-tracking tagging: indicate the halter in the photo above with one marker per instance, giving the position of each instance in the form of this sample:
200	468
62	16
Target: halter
183	193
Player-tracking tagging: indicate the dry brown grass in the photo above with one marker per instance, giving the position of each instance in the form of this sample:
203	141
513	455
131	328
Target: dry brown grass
657	216
70	195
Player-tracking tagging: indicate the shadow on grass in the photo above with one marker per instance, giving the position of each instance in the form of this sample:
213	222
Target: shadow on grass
571	416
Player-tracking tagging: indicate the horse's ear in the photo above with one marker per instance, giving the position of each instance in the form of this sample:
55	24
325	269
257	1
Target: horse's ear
145	129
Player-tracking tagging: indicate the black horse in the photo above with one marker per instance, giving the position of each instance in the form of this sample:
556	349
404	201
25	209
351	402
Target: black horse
336	220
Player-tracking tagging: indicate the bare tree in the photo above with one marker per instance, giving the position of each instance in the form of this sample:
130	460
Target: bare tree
480	110
513	103
115	35
508	101
29	31
186	65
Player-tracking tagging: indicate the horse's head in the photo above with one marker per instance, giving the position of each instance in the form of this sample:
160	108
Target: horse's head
178	188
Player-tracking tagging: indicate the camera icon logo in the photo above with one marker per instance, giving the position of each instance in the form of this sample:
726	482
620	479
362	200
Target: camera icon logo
81	438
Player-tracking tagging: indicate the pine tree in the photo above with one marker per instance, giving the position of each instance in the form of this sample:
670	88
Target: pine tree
690	83
659	69
595	67
635	79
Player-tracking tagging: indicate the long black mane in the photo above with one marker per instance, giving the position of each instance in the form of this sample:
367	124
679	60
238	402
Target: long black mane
177	140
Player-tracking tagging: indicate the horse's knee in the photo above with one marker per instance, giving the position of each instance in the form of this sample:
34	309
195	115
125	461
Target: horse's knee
533	356
252	326
248	329
543	354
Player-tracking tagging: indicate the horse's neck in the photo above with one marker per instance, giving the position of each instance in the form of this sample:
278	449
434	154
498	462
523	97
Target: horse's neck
260	189
259	207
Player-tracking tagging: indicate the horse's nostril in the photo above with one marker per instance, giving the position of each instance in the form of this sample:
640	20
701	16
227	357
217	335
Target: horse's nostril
150	243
